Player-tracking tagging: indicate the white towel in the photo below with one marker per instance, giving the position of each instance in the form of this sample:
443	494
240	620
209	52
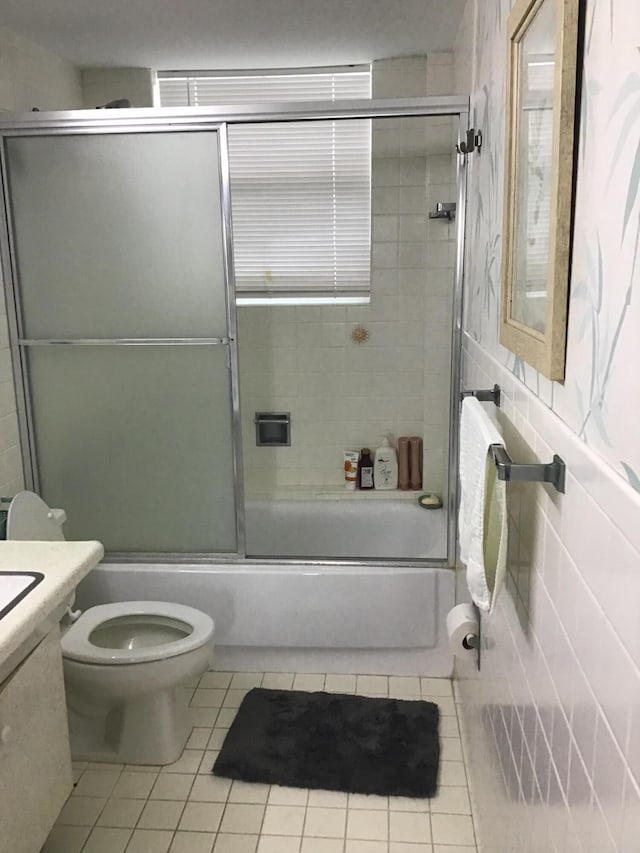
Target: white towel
482	523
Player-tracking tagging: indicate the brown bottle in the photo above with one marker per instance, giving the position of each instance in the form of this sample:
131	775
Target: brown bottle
365	469
403	463
415	462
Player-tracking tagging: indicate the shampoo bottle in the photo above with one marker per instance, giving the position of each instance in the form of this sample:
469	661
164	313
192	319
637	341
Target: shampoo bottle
385	467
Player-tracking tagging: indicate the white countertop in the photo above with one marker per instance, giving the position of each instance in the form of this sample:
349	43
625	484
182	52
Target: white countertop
63	565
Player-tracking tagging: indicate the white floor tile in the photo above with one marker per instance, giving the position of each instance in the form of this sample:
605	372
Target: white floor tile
97	783
450	749
409	827
172	786
189	762
132	785
283	820
358	845
409	804
217	738
404	847
105	839
278	680
372	684
368	824
201	817
161	814
216	679
210	789
81	811
66	839
208	760
225	717
322	845
436	686
205	697
452	773
150	841
340	683
234	697
278	844
456	848
404	686
281	796
246	680
193	842
203	717
243	818
325	822
248	792
121	813
310	682
199	738
452	829
235	843
451	800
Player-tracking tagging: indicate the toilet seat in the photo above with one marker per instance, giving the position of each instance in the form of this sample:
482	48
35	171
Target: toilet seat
77	645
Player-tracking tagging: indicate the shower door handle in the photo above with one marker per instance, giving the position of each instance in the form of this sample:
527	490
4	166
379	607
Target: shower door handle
125	342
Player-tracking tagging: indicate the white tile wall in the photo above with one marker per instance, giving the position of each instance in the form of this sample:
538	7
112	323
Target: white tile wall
29	76
302	360
552	721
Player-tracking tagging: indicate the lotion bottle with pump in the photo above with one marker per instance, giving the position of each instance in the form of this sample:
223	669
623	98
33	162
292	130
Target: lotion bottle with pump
385	467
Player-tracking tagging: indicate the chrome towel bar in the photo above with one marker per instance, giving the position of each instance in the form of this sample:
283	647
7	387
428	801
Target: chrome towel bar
551	472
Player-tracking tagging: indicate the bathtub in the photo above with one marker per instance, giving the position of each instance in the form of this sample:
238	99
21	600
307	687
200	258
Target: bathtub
345	528
287	617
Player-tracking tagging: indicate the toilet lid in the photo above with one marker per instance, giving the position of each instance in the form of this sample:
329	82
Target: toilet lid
77	644
29	518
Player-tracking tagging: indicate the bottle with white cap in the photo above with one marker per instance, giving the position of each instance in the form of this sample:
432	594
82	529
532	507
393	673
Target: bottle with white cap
385	466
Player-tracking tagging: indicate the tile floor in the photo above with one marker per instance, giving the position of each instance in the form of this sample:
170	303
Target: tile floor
183	808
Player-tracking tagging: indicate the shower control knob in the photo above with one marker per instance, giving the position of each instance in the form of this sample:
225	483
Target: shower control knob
5	735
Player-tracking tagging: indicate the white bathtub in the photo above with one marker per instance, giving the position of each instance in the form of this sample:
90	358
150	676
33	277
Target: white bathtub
351	528
302	618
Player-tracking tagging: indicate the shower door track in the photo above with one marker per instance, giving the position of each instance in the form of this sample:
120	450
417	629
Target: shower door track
149	120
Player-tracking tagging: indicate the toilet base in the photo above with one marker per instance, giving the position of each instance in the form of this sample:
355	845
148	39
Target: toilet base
152	730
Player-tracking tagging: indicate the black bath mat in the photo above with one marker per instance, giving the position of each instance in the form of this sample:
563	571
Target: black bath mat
332	741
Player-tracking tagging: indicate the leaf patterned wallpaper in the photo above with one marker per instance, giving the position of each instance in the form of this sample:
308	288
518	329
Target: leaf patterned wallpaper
600	398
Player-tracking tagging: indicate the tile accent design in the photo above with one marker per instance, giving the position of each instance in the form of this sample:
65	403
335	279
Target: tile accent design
552	722
180	809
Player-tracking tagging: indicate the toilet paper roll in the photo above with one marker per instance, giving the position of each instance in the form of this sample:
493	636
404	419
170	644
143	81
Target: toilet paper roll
463	629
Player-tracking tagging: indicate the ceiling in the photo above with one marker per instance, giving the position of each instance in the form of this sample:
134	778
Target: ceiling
228	34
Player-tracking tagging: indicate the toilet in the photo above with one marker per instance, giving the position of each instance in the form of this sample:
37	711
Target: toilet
127	665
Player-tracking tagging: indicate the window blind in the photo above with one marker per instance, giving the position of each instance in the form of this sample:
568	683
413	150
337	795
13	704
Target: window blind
300	191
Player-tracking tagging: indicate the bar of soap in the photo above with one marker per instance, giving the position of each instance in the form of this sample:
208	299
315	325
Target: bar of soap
430	501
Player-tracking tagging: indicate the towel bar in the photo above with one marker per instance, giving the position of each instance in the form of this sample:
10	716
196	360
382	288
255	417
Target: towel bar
551	472
487	395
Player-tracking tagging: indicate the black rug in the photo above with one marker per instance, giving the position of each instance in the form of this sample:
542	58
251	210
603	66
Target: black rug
332	741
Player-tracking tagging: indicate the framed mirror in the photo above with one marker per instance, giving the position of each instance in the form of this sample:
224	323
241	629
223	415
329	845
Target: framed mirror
539	162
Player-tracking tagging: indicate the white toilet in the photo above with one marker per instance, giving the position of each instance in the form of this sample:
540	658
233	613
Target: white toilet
125	664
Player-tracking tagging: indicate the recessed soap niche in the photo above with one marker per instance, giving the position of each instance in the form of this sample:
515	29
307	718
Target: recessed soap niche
273	429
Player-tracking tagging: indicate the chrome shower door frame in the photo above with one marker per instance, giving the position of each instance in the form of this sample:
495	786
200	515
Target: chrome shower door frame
85	122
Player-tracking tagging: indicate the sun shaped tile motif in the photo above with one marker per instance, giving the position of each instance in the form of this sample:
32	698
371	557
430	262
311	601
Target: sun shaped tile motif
359	335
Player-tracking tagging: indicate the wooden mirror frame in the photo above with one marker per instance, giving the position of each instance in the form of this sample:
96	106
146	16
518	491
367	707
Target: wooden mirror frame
544	351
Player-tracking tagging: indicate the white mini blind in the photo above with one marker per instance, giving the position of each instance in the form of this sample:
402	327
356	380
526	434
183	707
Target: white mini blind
300	191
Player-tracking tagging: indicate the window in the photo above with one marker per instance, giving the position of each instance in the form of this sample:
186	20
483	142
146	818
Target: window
300	191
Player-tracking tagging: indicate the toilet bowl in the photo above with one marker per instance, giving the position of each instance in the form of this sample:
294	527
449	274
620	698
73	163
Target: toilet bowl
126	665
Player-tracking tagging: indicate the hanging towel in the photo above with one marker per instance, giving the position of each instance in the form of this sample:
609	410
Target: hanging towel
482	523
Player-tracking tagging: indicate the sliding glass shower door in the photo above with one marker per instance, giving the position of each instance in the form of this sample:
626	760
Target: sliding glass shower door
124	334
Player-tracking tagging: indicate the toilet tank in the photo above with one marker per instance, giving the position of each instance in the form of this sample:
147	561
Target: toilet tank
29	518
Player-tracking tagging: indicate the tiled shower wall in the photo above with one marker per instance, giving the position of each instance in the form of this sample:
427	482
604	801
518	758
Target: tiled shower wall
341	394
552	720
29	76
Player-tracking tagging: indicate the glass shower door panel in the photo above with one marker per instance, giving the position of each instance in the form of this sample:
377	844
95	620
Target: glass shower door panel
118	234
134	443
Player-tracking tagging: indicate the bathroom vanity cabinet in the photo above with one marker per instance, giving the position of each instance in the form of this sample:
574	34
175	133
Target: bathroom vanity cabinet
35	761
